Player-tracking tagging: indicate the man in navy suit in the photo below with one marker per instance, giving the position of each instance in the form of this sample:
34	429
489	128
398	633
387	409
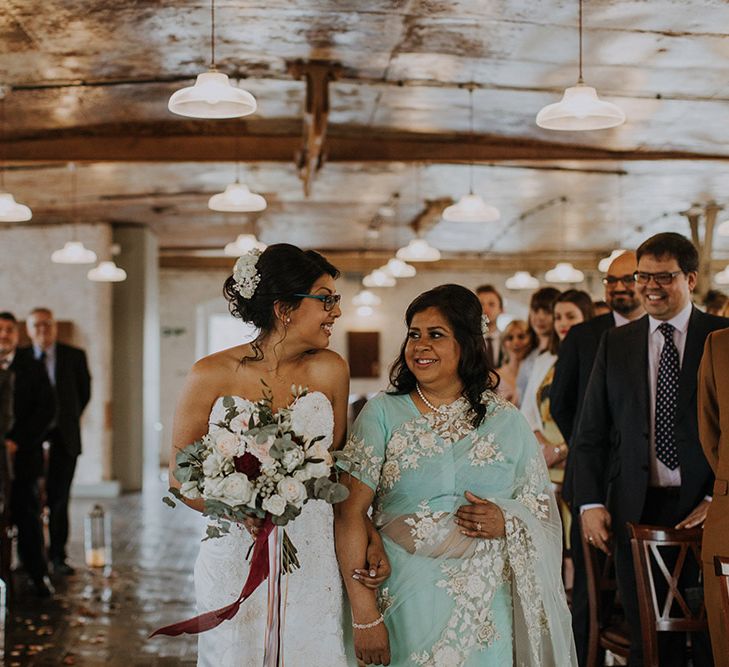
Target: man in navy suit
637	452
572	371
68	372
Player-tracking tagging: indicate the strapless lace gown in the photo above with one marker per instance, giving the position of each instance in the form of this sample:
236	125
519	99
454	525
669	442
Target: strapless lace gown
313	633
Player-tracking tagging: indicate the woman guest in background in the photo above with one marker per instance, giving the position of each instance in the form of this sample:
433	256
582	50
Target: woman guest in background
290	296
461	497
570	308
517	341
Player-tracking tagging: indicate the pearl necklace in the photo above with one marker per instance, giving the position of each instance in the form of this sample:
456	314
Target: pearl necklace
442	409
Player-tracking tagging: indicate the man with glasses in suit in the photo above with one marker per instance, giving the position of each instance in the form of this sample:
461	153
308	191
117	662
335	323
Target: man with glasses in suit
572	371
637	452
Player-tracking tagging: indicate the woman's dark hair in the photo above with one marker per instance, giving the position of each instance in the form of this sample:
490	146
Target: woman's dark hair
462	309
285	270
543	299
582	300
672	245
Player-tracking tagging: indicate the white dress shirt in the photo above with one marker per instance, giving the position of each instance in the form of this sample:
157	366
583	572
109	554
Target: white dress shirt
529	406
660	474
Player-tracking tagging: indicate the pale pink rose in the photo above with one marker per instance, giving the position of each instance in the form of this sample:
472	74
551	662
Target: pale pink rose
239	423
228	444
292	491
274	504
260	449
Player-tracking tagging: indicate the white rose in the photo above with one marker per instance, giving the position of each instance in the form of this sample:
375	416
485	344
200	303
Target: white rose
190	490
213	487
292	491
303	474
317	470
237	489
274	504
260	449
319	451
292	459
228	444
239	423
214	465
312	416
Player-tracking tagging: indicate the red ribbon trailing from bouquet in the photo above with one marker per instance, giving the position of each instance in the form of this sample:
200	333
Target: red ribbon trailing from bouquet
256	575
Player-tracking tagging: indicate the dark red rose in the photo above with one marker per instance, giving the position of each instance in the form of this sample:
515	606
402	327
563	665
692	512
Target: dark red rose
248	464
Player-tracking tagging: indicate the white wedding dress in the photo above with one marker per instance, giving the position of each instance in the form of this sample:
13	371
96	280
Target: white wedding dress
314	624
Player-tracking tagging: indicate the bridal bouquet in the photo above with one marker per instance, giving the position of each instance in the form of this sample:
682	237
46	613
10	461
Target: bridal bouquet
256	462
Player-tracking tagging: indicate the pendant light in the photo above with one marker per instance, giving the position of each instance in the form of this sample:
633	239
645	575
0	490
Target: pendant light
212	96
418	250
378	278
522	280
366	298
605	262
237	198
399	269
107	272
471	207
564	272
10	210
580	108
73	251
243	243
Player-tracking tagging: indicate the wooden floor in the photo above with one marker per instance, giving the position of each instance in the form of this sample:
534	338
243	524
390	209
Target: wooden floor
105	620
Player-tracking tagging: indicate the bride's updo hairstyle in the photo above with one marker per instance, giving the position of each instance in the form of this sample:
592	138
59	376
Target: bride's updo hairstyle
284	270
462	309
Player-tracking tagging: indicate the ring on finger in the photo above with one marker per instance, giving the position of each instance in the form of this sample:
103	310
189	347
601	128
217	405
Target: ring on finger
589	539
478	527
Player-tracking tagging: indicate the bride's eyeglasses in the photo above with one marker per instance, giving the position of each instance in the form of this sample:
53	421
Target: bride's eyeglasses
328	300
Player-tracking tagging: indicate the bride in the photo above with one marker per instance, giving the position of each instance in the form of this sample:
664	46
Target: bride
289	295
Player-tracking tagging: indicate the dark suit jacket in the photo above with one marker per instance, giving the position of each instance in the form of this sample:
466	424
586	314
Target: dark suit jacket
617	400
73	390
571	373
35	408
6	402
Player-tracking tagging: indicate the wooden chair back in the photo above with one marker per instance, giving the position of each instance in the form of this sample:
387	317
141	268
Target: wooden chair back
673	613
721	567
604	634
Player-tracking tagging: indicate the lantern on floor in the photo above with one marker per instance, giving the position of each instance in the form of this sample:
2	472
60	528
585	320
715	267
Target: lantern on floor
97	538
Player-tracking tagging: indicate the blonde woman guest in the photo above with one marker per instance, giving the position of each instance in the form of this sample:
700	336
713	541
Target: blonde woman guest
517	341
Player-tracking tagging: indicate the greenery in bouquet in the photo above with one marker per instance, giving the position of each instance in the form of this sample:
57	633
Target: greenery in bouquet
257	462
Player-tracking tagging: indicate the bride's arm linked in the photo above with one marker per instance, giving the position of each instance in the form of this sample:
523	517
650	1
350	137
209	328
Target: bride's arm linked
201	389
351	533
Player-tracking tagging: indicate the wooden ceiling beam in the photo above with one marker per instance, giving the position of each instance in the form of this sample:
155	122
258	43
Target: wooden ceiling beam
358	145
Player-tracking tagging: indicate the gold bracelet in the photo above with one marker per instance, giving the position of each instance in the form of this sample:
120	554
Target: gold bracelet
367	626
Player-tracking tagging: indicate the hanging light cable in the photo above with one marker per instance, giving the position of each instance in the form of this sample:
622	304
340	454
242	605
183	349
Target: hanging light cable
73	251
212	96
10	210
471	207
580	108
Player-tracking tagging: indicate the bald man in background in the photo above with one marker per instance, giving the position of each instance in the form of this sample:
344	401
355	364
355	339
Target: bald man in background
574	365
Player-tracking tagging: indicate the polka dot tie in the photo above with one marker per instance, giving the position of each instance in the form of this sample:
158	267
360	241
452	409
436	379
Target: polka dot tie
669	367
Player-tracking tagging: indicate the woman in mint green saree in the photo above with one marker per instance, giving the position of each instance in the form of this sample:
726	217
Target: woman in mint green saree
461	496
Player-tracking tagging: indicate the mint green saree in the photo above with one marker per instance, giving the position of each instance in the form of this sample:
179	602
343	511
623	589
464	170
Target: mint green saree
454	600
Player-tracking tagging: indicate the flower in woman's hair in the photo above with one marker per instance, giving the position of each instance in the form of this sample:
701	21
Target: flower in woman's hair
249	465
228	444
274	504
245	275
292	491
190	490
237	489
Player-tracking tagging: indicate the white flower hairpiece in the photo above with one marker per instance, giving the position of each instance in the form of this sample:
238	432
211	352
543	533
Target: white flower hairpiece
245	274
485	324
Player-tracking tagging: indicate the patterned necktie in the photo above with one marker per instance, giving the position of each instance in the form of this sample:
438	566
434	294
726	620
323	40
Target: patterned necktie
669	368
490	351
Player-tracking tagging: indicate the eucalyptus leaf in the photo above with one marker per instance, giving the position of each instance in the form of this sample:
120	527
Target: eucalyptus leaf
168	501
175	492
336	493
228	402
321	487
